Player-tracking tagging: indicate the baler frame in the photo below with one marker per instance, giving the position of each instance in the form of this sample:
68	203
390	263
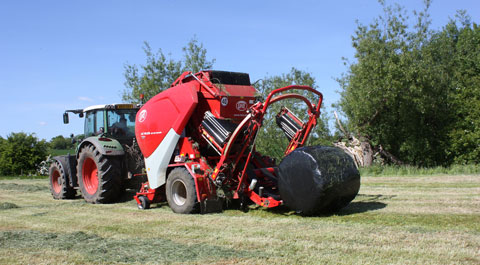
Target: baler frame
208	179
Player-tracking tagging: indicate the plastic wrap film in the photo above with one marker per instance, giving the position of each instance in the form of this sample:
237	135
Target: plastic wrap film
318	179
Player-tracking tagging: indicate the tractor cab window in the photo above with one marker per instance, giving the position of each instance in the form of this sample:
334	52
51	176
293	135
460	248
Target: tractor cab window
121	122
94	123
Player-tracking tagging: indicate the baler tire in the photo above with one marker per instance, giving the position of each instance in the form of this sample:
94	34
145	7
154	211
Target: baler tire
144	203
59	186
99	176
181	192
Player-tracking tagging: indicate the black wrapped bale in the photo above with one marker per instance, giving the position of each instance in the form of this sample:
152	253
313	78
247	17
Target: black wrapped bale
317	179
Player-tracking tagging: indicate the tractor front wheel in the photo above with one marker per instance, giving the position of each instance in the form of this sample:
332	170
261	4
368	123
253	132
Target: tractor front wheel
99	176
181	192
59	183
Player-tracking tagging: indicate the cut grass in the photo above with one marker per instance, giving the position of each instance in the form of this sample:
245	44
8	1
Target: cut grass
394	220
60	152
93	248
388	170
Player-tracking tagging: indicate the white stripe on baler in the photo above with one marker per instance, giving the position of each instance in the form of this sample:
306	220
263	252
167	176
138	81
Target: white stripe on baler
157	162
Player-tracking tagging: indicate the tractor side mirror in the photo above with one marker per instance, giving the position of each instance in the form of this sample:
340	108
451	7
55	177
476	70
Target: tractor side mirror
65	118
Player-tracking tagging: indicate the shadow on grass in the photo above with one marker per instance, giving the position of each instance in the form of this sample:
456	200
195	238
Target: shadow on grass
363	203
361	207
126	196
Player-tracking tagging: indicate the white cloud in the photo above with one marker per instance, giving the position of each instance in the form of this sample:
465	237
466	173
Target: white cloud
42	123
85	99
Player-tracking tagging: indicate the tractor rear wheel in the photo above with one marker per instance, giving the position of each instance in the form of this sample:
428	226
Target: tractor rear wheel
99	176
181	192
59	183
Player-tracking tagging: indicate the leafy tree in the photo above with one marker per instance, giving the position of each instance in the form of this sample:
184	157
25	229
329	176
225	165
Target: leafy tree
465	133
159	72
21	152
397	92
196	57
414	91
59	142
271	140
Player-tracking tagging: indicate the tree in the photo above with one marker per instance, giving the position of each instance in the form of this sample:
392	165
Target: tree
271	140
465	134
21	152
397	92
60	142
159	72
414	91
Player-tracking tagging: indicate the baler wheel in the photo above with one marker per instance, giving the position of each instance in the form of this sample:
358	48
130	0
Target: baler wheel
181	192
99	176
144	203
59	183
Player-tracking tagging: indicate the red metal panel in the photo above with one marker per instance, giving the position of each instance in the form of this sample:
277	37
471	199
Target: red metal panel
169	109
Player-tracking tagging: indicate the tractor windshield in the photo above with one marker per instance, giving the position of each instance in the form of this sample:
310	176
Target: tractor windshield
121	122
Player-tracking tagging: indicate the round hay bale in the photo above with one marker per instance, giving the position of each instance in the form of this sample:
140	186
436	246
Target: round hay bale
317	179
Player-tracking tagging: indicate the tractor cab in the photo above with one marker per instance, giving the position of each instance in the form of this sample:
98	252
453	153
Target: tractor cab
116	121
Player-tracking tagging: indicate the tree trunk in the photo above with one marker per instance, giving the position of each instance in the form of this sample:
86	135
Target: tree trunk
360	151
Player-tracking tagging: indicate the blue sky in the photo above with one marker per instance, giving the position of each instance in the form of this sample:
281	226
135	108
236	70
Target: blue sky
57	55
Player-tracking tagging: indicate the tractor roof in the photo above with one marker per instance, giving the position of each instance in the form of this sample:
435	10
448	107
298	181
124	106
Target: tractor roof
112	106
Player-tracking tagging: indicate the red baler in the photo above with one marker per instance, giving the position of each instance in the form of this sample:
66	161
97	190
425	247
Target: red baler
198	140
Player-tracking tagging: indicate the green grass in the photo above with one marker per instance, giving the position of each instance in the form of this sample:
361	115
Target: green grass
377	170
432	219
59	152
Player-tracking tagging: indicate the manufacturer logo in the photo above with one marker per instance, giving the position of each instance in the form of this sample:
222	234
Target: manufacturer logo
142	115
224	101
241	105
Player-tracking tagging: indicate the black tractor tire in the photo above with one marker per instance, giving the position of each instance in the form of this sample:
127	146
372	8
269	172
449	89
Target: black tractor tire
318	180
99	176
181	192
59	186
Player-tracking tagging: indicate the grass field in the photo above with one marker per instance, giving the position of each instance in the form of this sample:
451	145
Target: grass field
394	220
59	152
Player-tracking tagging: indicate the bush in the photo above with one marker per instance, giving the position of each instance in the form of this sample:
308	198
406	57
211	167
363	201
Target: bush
21	153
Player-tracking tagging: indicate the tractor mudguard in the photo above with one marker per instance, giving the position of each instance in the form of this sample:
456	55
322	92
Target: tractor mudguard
69	165
106	146
158	126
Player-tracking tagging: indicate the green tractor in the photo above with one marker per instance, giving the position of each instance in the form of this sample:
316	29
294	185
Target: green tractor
107	160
